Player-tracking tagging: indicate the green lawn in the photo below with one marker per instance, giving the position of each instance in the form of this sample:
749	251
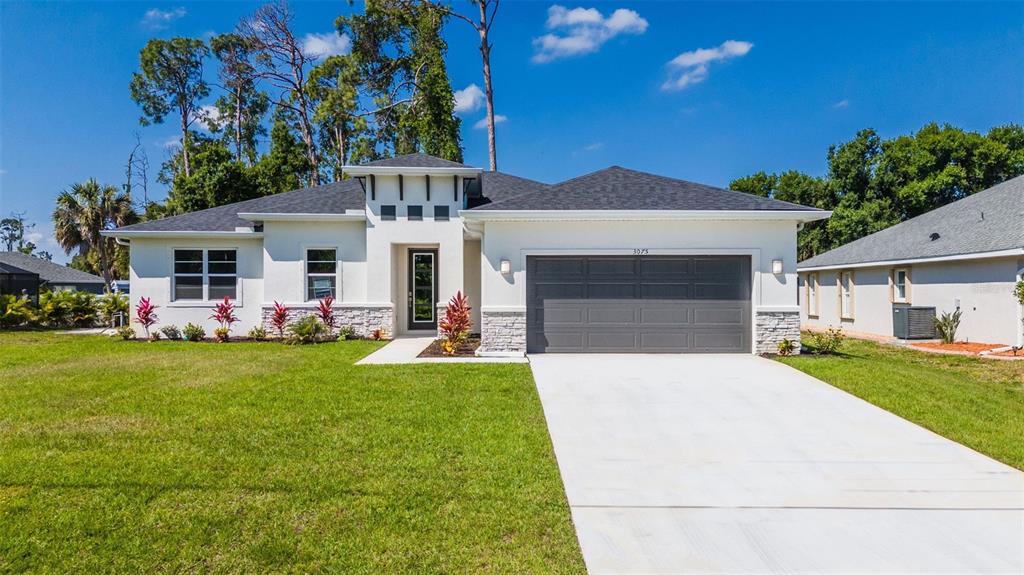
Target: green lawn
163	457
976	402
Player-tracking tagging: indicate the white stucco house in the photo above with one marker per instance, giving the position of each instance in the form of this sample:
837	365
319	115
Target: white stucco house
612	261
968	255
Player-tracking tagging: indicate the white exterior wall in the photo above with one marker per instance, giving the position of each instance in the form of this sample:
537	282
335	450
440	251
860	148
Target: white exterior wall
284	259
387	241
764	241
152	262
984	288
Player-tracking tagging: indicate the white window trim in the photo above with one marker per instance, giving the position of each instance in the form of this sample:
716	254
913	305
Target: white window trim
906	285
850	311
306	274
175	302
813	295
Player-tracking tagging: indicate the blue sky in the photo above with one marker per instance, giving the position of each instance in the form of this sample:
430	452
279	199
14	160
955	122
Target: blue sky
701	91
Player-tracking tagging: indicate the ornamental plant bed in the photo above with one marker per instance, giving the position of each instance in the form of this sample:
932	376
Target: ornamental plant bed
467	349
970	348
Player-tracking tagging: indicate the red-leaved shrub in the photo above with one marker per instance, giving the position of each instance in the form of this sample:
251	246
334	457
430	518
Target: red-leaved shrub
326	312
456	323
224	313
279	319
145	314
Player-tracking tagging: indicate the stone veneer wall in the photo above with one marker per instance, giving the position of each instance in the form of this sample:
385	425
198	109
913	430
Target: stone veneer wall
773	327
503	331
364	320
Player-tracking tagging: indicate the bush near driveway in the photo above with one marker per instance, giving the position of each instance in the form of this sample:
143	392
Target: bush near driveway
252	458
976	402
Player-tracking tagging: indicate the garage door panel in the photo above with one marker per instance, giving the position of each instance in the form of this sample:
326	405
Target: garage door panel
558	267
611	340
672	341
611	266
612	314
666	290
655	316
607	290
721	316
647	303
565	291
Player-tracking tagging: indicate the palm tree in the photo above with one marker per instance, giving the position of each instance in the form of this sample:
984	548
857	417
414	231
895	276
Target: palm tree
86	210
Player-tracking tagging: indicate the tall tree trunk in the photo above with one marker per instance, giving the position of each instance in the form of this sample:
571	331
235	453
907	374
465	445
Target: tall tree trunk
485	56
101	247
184	142
307	138
238	124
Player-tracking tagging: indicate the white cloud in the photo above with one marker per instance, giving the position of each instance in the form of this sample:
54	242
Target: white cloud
844	103
203	114
691	67
593	147
158	19
468	99
168	142
582	31
482	123
34	237
323	45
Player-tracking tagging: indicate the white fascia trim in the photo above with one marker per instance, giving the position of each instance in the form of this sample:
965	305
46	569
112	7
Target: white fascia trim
348	216
408	171
618	215
777	308
180	234
335	305
911	261
503	309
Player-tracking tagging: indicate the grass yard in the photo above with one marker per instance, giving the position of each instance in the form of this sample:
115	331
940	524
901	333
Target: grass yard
976	402
136	457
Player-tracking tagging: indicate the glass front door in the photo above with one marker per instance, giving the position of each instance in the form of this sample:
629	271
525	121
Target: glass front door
422	289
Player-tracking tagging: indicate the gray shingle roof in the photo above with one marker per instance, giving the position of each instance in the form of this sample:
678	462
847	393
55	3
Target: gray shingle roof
987	221
47	270
617	188
416	161
499	186
332	198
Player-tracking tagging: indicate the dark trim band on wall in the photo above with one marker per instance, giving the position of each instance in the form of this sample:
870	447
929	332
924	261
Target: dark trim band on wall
373	187
455	187
401	188
428	187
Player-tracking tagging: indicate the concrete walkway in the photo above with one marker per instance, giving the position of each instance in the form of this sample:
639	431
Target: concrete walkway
734	463
406	349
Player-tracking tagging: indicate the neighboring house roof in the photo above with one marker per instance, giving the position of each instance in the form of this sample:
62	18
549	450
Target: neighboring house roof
48	271
9	269
617	188
416	161
332	198
988	221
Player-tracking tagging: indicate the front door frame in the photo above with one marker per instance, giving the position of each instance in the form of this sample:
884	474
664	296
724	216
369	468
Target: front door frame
412	324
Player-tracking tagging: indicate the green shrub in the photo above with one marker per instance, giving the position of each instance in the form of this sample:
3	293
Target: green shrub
346	332
171	332
946	325
827	342
113	306
193	332
126	332
84	308
787	347
54	308
258	333
15	311
309	329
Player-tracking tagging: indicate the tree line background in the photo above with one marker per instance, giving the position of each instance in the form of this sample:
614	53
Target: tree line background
284	119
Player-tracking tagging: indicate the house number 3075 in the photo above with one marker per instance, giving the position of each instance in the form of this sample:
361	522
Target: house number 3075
639	251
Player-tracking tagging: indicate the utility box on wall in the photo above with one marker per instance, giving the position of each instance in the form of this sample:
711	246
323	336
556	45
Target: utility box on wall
913	322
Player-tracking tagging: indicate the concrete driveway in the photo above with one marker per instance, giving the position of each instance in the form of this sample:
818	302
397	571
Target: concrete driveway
734	463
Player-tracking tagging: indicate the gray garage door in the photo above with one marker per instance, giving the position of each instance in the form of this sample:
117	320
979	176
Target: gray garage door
638	304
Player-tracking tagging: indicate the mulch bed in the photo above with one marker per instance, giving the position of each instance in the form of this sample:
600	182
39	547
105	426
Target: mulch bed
467	349
960	346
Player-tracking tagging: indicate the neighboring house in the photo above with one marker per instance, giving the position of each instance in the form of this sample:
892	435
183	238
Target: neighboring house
53	276
966	255
613	261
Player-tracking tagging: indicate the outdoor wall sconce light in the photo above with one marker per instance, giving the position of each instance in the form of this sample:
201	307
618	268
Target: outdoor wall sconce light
506	267
776	267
